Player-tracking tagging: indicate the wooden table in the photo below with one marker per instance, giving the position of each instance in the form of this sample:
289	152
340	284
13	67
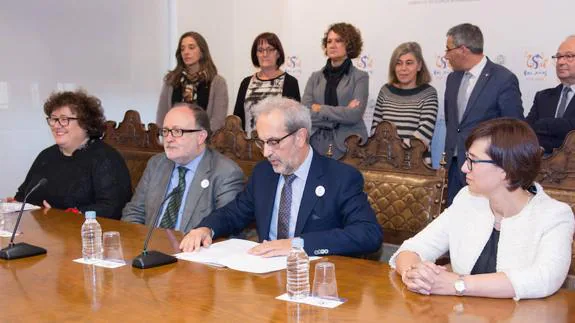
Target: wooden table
53	288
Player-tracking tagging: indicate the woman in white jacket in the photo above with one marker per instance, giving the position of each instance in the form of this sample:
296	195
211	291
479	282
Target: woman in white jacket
506	238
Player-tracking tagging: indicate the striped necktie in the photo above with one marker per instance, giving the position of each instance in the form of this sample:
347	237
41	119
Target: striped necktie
285	207
171	213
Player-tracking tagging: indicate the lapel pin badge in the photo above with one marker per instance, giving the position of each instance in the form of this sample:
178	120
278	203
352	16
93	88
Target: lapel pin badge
205	183
320	191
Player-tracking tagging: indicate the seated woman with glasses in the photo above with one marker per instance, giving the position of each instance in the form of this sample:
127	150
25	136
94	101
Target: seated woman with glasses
267	55
195	79
337	93
82	172
505	236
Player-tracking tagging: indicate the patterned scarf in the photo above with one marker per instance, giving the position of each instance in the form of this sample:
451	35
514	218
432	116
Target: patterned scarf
189	83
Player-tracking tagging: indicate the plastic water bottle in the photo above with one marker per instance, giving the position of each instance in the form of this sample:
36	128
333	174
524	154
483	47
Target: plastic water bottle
91	237
297	271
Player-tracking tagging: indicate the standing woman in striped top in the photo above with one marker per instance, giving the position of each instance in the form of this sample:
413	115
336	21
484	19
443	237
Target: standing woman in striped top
408	100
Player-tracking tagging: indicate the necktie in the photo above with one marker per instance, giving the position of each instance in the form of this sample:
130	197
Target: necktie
563	103
171	213
462	97
285	208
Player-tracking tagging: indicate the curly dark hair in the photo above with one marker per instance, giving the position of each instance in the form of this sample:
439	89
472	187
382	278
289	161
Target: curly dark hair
350	35
88	110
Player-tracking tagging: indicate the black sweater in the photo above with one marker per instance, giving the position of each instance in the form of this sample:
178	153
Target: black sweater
94	178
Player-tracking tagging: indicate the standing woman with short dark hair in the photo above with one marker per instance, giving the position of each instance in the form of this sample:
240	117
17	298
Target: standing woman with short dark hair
337	94
267	55
506	237
194	80
83	172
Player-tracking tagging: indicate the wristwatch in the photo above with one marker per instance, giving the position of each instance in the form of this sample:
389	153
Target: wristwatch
459	286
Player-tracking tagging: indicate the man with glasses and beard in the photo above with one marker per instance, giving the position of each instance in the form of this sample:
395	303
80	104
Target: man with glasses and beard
295	193
202	179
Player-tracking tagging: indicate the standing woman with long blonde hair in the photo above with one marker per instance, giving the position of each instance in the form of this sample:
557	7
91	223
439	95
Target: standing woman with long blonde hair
194	80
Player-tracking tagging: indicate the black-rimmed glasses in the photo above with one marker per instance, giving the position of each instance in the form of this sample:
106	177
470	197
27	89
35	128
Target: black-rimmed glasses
63	121
177	132
470	161
268	50
447	49
568	57
272	142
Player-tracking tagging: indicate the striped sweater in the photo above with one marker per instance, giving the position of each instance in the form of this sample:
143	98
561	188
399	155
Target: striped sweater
412	111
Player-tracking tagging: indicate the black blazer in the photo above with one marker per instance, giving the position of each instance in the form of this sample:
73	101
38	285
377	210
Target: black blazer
496	94
551	131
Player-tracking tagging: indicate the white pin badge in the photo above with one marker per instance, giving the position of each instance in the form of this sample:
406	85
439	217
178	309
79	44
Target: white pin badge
320	191
205	183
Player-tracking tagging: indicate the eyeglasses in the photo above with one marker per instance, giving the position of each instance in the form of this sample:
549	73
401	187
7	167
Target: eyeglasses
447	49
63	121
177	132
272	142
470	161
268	50
568	57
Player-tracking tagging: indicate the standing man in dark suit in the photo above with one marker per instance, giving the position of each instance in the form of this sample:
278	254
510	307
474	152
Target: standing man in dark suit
295	193
204	179
553	113
476	90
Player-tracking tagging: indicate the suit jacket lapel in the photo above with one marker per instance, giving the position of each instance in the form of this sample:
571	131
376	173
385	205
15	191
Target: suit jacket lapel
268	197
159	189
479	85
196	190
309	197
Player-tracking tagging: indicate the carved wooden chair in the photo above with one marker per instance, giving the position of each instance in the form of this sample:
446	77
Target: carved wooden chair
136	144
231	140
557	176
405	193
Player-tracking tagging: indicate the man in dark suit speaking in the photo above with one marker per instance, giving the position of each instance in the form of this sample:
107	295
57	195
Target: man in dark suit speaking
295	193
477	90
553	113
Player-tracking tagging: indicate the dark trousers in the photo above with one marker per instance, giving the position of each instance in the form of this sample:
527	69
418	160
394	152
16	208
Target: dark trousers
455	180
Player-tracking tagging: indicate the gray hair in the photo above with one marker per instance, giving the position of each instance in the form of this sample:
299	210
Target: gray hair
296	115
467	35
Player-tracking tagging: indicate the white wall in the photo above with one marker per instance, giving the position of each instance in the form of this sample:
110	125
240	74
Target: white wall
115	49
119	50
515	32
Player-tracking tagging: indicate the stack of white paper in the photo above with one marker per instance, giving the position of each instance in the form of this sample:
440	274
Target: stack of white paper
9	207
233	253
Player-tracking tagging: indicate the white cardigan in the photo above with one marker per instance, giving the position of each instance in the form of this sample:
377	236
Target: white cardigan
534	249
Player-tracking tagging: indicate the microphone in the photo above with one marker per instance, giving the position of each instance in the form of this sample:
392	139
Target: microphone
22	250
149	259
